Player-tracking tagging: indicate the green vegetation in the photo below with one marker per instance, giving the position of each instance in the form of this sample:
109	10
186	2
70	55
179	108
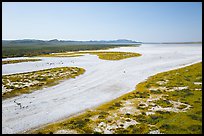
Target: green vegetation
18	61
164	103
175	109
101	55
17	84
18	50
115	55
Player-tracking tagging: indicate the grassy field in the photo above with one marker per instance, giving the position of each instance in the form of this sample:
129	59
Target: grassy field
101	55
168	102
17	84
19	61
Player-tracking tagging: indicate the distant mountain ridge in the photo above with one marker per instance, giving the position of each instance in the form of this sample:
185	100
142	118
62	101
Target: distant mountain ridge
64	42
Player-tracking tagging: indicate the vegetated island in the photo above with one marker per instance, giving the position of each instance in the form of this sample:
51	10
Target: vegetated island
168	102
19	61
17	84
101	55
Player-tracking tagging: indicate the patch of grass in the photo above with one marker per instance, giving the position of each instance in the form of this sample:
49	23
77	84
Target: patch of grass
182	107
156	91
154	119
163	112
164	103
141	118
197	129
19	61
138	129
169	127
195	117
115	55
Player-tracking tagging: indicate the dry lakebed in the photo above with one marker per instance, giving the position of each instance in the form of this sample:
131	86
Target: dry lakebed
104	94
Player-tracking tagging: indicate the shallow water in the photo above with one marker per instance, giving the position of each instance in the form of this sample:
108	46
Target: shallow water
103	81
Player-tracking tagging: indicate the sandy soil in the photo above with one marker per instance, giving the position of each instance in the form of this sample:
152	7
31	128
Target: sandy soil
103	81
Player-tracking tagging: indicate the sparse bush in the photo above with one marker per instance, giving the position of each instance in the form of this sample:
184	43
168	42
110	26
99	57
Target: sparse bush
11	87
128	120
80	123
131	126
87	120
101	116
111	108
121	125
164	103
182	107
156	91
117	104
142	104
96	132
128	114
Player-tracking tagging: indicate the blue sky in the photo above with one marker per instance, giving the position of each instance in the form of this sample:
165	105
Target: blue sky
147	22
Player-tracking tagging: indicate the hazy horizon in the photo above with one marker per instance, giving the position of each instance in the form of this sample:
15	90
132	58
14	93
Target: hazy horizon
85	21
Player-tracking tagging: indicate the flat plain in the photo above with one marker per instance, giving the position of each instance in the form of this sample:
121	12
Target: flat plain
103	81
